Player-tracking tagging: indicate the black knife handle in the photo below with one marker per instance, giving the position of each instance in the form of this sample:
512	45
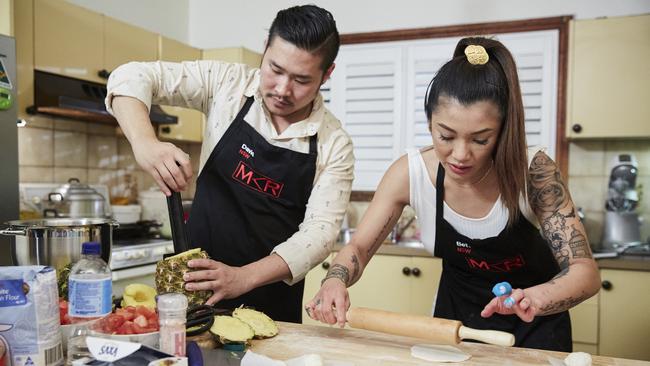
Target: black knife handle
179	234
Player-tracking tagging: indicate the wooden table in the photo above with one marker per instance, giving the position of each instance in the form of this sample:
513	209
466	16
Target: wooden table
351	347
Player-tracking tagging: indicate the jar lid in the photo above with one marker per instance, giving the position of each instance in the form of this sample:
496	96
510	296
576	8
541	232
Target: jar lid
172	302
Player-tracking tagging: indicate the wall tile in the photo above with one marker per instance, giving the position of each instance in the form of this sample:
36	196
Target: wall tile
145	181
106	177
40	120
61	175
594	227
586	158
35	146
125	158
62	124
102	152
30	174
101	129
70	149
588	192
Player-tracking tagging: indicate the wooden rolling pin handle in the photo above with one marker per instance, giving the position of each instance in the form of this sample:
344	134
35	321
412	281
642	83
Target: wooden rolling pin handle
487	336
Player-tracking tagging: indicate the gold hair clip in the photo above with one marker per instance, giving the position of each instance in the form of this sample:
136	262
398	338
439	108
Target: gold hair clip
476	55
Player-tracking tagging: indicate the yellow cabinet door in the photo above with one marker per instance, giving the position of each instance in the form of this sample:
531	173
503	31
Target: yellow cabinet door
384	285
584	323
24	33
190	121
609	77
312	285
234	54
68	40
124	43
6	17
625	314
425	273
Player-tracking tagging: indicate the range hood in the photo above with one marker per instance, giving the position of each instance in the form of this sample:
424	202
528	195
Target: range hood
68	97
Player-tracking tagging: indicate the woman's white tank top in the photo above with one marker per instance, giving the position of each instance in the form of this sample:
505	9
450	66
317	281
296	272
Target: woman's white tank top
423	200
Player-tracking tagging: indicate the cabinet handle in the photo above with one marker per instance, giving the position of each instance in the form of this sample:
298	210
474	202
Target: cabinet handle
577	128
607	285
166	129
416	272
406	271
103	73
325	265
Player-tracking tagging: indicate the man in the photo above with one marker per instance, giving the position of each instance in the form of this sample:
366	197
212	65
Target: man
276	166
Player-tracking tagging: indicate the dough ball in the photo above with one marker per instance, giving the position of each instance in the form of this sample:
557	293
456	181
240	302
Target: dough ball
578	359
438	353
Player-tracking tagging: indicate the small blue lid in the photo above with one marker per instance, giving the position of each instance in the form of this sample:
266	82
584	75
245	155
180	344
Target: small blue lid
91	247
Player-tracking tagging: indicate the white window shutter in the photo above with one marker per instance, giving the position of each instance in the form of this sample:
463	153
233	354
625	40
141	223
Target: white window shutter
366	95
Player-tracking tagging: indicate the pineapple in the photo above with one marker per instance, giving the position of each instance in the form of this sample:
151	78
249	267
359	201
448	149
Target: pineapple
263	326
231	330
62	280
137	294
169	276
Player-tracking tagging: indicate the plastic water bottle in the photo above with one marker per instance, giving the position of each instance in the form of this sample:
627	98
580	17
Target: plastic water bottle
90	291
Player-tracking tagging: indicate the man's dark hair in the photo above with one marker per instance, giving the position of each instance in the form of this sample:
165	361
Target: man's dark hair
310	28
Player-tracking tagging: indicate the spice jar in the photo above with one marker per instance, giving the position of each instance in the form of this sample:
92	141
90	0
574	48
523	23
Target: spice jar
172	312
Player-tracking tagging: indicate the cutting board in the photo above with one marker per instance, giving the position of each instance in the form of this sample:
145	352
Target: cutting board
360	348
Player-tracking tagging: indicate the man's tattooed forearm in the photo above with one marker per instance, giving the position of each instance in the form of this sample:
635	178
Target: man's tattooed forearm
382	235
560	274
338	271
559	306
355	270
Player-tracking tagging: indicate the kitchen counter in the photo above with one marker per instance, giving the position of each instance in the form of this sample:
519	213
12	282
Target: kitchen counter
625	262
359	348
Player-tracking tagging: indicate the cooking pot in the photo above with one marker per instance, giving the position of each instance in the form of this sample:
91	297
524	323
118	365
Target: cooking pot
77	200
56	242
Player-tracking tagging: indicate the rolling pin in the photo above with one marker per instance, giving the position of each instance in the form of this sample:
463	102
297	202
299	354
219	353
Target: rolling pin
437	330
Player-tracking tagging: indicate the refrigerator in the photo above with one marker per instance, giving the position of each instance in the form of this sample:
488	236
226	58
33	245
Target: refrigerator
9	196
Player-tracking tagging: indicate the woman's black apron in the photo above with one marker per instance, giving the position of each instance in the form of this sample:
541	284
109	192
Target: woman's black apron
250	197
471	267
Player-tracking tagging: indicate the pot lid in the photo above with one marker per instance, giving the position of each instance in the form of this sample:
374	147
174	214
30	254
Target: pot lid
60	222
74	190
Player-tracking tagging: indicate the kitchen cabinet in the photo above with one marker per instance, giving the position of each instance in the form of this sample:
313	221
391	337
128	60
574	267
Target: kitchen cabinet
402	284
24	32
190	121
584	326
124	43
608	78
72	41
6	17
68	40
624	319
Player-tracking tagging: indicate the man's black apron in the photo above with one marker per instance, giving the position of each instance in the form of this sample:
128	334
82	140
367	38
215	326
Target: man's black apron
471	267
250	197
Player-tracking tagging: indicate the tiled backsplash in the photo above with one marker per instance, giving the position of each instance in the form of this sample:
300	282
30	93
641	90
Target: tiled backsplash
52	150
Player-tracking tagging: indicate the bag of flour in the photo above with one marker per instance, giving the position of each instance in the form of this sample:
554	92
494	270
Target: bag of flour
29	316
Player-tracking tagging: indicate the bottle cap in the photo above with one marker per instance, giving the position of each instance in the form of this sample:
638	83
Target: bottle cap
171	302
91	247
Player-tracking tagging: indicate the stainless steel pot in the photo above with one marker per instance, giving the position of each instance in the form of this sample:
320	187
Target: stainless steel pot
77	200
56	242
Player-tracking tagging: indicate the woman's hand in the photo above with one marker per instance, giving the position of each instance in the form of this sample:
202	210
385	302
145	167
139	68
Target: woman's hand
330	303
522	306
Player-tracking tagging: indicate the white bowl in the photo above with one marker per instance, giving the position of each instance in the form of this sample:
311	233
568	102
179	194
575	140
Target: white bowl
148	339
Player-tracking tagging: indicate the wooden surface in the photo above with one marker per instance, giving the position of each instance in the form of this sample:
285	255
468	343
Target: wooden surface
360	348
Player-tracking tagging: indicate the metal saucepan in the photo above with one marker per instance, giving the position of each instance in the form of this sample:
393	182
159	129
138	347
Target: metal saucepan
57	241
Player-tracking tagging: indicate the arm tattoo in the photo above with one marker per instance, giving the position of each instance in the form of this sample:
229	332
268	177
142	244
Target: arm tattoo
338	271
550	199
560	306
355	271
382	235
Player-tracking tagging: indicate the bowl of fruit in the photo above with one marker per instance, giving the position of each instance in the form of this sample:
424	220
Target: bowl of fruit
138	324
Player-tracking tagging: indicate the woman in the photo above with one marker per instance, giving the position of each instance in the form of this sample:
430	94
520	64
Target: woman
491	214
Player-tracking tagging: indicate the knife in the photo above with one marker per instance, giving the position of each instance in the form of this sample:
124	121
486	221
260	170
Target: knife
176	221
